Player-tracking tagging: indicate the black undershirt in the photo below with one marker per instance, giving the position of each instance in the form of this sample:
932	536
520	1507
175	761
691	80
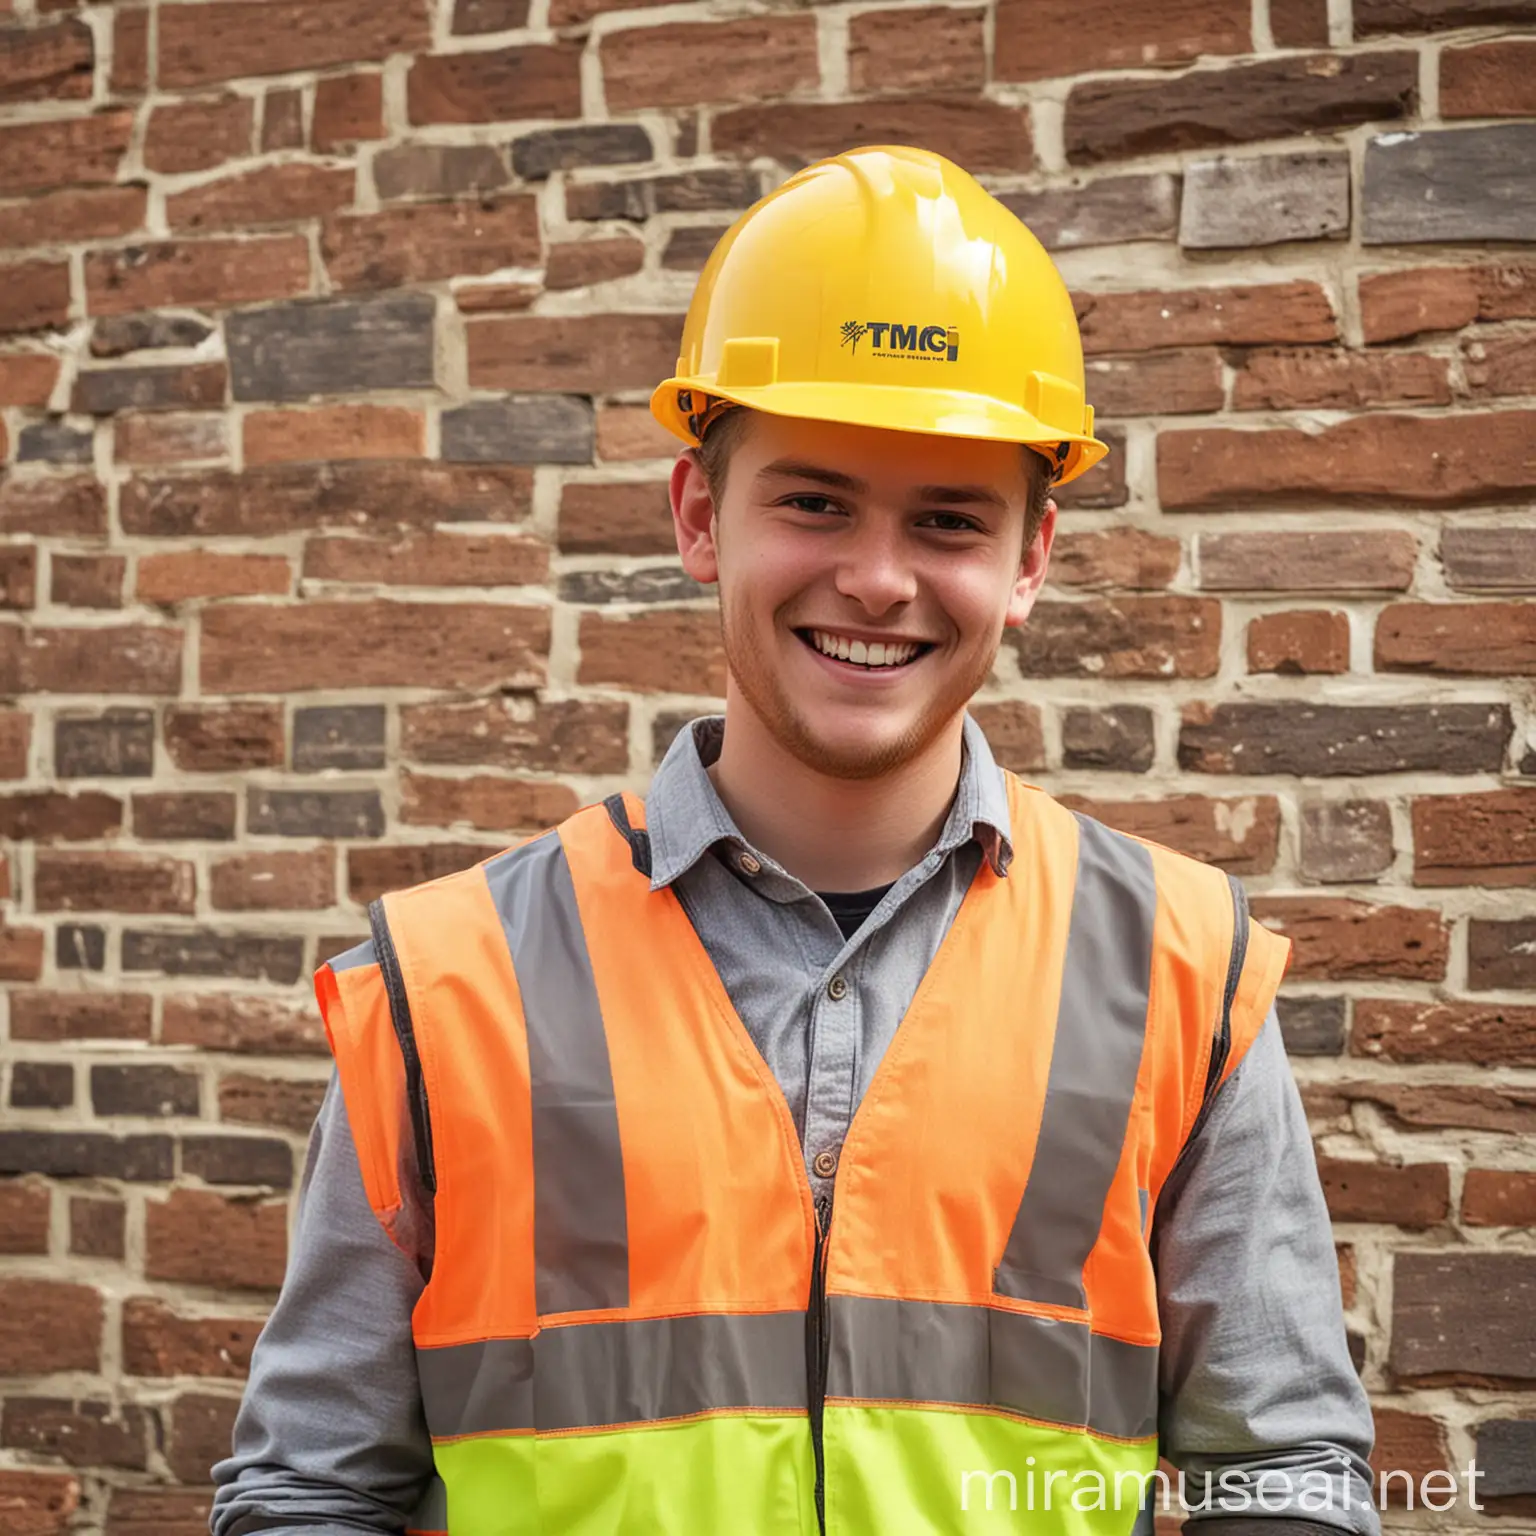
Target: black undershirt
850	908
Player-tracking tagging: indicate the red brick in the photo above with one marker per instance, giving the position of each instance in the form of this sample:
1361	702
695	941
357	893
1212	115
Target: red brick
1163	383
666	651
87	581
1346	840
44	815
1439	461
334	432
1307	640
214	272
1324	377
199	134
1014	732
200	1429
1500	365
34	295
236	38
1495	79
27	378
179	815
631	517
122	658
1486	839
686	62
1299	23
53	505
46	63
1458	639
18	577
475	18
15	742
1340	561
62	152
112	882
348	110
1484	1034
205	1239
570	13
175	578
21	953
567	736
273	194
284	1103
1416	1195
1270	312
1114	557
442	559
1412	1443
278	881
580	354
37	1503
939	48
491	298
1239	835
158	1512
1150	637
582	263
103	391
1394	305
1341	939
248	1026
1037	39
24	1207
979	134
48	1326
262	649
282	119
485	802
425	242
160	1342
82	1432
130	50
373	871
97	1228
221	738
1496	1197
497	85
627	432
156	438
61	1016
72	214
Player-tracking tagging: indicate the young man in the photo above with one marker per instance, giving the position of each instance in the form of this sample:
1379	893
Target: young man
846	1137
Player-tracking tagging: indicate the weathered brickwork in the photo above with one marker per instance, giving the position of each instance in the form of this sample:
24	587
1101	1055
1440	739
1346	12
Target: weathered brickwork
335	555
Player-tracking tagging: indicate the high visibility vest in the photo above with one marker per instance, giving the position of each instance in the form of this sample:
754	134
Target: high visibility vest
638	1319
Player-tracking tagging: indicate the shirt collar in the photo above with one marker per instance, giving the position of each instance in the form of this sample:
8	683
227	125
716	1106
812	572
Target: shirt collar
685	817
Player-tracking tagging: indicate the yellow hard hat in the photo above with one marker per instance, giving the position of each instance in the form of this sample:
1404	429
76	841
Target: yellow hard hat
885	287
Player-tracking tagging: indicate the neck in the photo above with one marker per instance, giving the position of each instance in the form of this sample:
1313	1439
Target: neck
834	834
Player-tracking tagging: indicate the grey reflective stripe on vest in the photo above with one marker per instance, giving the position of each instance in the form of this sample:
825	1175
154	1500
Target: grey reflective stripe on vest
580	1228
1101	1025
594	1375
1038	1367
430	1517
358	955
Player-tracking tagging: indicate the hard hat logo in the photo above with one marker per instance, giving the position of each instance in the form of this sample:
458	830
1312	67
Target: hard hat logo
889	338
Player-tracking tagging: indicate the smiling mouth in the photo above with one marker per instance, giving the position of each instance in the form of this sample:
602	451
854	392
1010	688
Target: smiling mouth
873	656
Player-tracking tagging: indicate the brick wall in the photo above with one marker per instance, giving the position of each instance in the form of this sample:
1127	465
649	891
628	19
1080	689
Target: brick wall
336	554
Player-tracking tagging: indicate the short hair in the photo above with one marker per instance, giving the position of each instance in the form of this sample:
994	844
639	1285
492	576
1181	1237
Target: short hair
724	432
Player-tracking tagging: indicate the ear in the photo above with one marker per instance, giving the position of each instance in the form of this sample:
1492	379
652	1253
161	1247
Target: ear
1032	571
693	518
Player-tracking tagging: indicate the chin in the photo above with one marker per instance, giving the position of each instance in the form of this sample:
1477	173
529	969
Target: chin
842	751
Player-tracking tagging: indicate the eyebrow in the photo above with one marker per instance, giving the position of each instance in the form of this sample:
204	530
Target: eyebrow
943	495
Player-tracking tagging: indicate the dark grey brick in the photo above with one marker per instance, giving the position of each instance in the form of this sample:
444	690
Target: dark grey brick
1312	1026
119	743
1489	559
664	584
1265	200
1464	185
1346	840
79	947
116	335
314	812
537	155
1373	17
438	170
238	1160
1108	211
332	346
42	1085
345	736
87	1155
105	391
1119	737
182	814
1506	1455
473	18
689	248
1337	739
1460	1317
684	192
522	429
1501	954
665	727
143	1090
55	442
198	952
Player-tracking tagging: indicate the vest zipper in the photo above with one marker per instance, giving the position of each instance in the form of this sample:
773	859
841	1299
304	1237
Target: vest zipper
817	1348
1222	1046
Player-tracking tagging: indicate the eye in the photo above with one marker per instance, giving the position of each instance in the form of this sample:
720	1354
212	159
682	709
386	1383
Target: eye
954	522
810	501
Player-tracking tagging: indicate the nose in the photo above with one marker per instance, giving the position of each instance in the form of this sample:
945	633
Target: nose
874	567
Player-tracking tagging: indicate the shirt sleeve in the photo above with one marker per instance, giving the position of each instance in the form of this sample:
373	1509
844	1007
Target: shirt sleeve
1258	1396
331	1439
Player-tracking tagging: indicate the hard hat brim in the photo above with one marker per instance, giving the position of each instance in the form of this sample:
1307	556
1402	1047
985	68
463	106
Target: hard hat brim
896	408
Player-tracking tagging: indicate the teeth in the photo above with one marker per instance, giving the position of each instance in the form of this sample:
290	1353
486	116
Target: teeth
871	654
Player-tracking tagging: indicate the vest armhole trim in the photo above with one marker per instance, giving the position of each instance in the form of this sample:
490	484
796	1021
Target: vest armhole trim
1221	1044
405	1034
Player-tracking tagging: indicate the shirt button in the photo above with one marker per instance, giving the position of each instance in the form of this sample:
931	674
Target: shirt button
749	865
837	989
825	1164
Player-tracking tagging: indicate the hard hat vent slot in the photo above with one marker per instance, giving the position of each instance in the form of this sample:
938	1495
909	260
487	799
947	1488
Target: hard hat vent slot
749	362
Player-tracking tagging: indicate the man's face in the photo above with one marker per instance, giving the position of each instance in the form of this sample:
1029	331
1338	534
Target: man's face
840	539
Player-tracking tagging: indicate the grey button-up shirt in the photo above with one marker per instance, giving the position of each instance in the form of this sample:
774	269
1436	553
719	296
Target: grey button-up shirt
1254	1370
